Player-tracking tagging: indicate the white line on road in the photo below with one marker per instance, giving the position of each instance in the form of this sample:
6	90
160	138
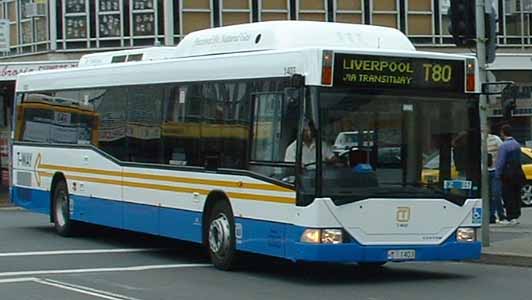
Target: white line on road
66	252
71	287
95	270
15	280
84	290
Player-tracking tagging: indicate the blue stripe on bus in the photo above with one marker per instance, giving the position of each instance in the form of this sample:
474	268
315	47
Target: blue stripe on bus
92	210
31	199
262	237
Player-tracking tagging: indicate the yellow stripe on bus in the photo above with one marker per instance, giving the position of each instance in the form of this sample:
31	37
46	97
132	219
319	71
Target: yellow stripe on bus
161	187
224	183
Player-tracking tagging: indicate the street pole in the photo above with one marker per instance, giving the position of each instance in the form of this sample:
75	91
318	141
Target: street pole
483	109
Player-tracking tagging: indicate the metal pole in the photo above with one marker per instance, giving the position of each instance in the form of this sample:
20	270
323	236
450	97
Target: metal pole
52	21
168	22
483	109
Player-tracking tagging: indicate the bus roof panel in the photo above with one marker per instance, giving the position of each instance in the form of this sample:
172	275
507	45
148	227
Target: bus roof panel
273	35
284	35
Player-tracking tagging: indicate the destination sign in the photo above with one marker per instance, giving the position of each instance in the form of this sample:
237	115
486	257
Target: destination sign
385	72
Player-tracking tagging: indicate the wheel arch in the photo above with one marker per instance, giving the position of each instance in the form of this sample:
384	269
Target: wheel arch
58	176
212	198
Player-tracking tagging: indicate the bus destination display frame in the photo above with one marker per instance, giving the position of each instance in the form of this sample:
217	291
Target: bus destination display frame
403	73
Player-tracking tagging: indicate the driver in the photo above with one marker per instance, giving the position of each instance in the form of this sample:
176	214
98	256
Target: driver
309	147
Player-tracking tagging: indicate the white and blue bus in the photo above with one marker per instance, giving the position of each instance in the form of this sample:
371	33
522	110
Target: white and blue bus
227	140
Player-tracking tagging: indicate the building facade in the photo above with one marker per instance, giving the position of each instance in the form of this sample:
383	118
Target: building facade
56	33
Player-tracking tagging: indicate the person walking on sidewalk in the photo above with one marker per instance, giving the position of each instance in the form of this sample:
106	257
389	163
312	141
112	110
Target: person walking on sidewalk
496	208
508	169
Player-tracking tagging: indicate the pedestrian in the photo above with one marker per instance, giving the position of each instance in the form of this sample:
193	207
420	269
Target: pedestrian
496	208
508	169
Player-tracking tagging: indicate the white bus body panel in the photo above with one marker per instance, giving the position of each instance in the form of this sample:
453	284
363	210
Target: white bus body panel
377	221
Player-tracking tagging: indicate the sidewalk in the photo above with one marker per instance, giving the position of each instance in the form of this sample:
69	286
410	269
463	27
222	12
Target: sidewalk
511	245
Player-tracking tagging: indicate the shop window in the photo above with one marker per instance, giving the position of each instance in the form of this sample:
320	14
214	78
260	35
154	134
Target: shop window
385	13
386	20
270	10
419	19
236	12
236	4
348	11
420	25
197	4
384	5
420	5
312	10
196	15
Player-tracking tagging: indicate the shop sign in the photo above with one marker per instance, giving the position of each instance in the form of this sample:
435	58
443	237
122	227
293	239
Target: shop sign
9	71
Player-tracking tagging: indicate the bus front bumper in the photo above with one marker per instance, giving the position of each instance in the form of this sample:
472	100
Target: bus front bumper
451	250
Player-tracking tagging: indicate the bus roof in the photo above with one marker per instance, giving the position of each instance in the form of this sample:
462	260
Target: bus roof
257	50
273	35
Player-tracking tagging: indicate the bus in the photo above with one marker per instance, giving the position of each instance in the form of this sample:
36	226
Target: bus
226	140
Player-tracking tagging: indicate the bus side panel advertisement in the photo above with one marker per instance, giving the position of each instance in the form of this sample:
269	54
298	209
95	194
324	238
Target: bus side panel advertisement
386	72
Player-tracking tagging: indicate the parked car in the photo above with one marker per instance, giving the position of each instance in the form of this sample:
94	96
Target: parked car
345	141
430	173
526	161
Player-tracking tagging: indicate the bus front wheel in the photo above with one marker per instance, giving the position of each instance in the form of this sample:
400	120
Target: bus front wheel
221	236
61	210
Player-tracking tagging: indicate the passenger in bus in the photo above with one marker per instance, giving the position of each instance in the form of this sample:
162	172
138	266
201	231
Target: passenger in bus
309	147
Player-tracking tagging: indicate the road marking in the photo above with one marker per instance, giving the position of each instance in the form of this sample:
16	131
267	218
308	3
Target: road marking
96	270
14	280
10	208
71	287
94	251
84	290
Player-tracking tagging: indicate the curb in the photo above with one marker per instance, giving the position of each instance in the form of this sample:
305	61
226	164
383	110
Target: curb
506	259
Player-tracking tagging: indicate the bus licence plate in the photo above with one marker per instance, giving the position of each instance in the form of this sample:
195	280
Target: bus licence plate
401	254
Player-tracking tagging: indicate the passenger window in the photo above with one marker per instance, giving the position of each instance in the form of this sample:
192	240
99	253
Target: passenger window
144	107
58	117
181	126
111	107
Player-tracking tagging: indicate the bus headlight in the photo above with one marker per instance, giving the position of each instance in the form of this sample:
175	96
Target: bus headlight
323	236
466	234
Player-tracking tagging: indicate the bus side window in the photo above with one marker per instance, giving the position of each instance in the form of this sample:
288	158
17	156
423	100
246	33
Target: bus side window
181	125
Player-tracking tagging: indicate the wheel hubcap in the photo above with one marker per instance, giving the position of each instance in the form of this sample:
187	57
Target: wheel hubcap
61	208
526	194
219	235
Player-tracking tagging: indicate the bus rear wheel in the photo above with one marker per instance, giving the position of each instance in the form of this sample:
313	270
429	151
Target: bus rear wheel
61	210
221	236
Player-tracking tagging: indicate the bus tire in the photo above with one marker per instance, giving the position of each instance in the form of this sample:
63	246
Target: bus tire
61	210
221	236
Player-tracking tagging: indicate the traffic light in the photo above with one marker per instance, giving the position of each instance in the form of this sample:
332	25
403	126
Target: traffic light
463	23
508	106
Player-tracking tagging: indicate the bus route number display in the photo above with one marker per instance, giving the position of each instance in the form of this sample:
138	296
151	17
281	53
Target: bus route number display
398	73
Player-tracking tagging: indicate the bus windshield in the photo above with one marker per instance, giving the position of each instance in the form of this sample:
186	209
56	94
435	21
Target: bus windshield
406	146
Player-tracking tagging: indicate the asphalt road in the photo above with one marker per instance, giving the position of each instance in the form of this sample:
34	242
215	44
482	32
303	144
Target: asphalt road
35	263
